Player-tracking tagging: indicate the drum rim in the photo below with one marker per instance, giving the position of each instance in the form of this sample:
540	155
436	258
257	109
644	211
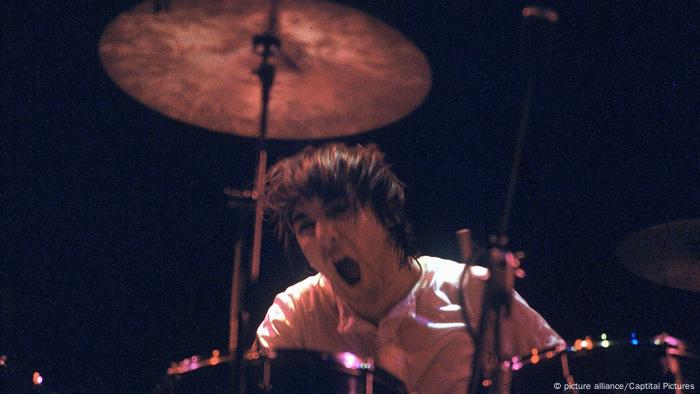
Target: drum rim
343	361
671	345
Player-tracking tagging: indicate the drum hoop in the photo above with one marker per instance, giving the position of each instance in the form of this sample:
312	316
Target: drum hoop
673	347
197	362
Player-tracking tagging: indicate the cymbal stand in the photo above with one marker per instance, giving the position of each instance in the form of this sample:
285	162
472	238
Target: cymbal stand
488	372
263	44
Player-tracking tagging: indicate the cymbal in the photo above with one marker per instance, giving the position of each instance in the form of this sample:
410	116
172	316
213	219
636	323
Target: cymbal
339	71
668	254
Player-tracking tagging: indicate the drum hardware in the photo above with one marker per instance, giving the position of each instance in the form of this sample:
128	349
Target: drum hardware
607	365
196	362
340	373
282	371
674	348
488	374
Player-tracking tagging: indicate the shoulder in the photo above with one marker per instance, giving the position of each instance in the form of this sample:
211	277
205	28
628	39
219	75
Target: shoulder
443	272
288	319
305	286
440	278
436	266
312	290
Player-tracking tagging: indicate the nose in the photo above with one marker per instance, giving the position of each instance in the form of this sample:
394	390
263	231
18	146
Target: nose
326	232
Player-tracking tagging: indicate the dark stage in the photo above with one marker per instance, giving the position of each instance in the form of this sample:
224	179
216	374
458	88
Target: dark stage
117	241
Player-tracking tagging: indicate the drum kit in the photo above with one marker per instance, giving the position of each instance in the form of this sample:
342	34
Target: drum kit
305	70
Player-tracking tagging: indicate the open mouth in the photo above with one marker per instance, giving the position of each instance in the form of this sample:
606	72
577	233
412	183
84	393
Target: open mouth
348	270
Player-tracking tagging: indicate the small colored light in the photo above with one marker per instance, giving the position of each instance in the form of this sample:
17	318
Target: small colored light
603	336
535	358
589	343
605	343
37	379
634	340
487	382
215	353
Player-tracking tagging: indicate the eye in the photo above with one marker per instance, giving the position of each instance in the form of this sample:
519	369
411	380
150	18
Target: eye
303	227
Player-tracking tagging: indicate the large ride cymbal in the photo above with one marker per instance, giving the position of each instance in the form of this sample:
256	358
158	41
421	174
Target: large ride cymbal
339	70
668	254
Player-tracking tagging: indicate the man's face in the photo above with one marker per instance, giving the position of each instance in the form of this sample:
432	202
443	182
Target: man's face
350	247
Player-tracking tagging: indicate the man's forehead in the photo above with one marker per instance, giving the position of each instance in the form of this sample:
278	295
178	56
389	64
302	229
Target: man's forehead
317	206
307	207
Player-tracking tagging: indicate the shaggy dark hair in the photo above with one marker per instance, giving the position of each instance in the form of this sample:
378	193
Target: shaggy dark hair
357	176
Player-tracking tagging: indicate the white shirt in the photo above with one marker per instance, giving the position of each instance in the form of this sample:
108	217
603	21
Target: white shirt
422	340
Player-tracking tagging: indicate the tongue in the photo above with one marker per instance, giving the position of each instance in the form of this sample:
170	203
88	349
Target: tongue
348	270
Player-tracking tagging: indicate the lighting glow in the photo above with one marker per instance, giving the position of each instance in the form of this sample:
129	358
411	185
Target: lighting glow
349	360
37	379
215	359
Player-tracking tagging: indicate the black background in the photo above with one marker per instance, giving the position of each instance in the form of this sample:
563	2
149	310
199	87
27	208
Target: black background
117	240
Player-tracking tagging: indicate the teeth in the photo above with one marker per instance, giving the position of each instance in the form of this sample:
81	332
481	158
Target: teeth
348	270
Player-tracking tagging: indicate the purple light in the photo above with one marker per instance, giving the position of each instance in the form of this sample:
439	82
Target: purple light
349	360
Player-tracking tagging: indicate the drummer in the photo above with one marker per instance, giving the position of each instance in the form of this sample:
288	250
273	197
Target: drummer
340	210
